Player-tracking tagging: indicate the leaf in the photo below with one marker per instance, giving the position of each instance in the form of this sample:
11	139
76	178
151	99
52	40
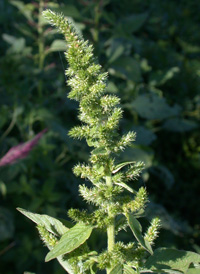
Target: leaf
168	258
6	224
120	166
144	136
25	9
129	270
57	45
117	269
51	224
17	44
115	50
126	187
65	264
139	154
72	239
161	77
167	221
99	151
193	271
153	107
133	22
126	68
179	125
164	174
137	231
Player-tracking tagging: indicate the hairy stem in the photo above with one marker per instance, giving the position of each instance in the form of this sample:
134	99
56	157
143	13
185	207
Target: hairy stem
111	227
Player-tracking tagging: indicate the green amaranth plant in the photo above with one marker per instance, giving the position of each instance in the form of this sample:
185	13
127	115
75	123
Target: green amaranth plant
116	204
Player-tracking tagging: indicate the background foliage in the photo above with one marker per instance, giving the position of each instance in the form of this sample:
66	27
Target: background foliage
151	51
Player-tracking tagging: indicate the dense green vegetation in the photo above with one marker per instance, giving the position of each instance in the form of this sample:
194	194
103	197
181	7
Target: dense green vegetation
152	55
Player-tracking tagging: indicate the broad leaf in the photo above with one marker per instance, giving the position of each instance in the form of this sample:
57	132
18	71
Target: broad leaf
151	106
57	45
126	68
133	22
179	125
144	135
117	269
168	258
51	224
193	271
72	239
137	231
129	270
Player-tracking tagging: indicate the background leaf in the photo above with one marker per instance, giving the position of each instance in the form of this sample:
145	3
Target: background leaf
165	258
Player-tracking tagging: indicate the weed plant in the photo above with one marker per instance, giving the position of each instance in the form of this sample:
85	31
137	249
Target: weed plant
117	205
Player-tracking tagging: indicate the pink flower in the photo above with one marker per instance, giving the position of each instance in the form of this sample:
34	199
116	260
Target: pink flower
20	151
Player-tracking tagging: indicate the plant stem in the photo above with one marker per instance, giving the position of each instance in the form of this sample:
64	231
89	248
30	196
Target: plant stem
111	227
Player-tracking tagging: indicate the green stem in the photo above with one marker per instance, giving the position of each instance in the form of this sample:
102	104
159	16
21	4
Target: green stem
111	227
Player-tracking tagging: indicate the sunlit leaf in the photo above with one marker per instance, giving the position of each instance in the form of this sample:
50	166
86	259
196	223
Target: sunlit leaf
51	224
58	45
129	270
117	269
72	239
137	231
125	186
120	166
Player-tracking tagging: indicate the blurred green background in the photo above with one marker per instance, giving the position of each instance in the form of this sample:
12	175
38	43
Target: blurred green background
151	50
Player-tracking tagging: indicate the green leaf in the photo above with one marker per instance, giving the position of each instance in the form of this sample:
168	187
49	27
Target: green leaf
151	106
144	136
25	9
65	264
168	258
126	187
17	44
179	125
126	68
99	151
120	166
72	239
51	224
133	22
193	271
6	224
117	269
129	270
57	45
161	77
137	231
